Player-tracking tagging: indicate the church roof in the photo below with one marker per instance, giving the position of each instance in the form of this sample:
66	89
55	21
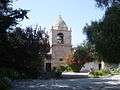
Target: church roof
60	22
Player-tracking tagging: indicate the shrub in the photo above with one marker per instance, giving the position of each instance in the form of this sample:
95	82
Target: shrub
62	68
115	71
65	68
70	68
10	73
58	74
75	68
99	73
5	83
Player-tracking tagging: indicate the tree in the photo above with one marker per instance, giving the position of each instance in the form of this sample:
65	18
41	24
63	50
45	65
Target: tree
76	59
107	3
82	55
9	18
104	35
30	47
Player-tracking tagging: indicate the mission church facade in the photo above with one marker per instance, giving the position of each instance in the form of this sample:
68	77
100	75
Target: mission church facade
60	43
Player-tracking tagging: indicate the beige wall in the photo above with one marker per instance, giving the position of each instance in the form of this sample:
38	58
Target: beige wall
67	36
60	50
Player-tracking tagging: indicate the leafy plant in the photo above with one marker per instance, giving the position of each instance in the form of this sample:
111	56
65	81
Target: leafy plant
9	73
70	68
115	71
99	73
5	84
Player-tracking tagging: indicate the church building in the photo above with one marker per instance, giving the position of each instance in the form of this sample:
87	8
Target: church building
60	42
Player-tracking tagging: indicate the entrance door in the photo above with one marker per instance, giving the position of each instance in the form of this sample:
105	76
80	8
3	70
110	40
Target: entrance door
48	67
99	66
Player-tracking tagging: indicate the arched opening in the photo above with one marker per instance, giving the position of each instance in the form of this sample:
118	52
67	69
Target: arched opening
60	38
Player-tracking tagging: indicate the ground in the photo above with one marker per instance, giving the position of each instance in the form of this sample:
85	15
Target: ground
111	83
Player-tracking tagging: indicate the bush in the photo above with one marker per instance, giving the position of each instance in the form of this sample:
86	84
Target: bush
58	73
66	68
70	68
115	71
10	73
75	68
5	83
99	73
62	68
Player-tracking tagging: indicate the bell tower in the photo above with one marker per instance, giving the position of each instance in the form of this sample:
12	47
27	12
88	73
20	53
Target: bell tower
60	40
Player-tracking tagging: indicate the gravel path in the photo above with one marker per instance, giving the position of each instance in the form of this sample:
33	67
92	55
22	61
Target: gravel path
111	83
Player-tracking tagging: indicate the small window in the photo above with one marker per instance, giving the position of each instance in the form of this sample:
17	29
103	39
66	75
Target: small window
60	59
60	38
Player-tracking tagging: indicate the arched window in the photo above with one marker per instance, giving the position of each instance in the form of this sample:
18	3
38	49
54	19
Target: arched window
60	38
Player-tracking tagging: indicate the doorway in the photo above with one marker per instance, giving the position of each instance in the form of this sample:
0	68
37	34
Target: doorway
48	67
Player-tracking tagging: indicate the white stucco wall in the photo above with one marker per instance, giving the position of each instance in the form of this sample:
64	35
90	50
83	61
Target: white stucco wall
90	65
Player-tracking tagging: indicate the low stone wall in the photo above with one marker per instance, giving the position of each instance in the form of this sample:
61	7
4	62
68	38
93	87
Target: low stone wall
72	75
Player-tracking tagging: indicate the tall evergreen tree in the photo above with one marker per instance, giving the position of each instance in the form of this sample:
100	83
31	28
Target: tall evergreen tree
105	35
107	3
8	19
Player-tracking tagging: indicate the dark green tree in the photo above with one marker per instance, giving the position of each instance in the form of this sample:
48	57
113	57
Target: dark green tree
105	35
9	18
82	55
30	49
107	3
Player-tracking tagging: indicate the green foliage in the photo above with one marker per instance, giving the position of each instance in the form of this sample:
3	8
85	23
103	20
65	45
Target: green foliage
62	68
9	18
74	68
115	71
66	68
105	72
21	49
99	73
29	49
104	35
5	84
70	68
9	73
82	55
76	60
58	73
107	3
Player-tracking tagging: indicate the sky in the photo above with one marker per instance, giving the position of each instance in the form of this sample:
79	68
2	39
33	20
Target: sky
76	13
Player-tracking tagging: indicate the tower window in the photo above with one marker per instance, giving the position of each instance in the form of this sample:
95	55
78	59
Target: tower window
60	38
61	59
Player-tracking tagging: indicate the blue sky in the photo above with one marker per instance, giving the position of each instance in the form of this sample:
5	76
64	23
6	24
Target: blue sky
76	14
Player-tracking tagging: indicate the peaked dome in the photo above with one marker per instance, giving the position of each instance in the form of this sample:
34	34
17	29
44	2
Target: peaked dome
60	23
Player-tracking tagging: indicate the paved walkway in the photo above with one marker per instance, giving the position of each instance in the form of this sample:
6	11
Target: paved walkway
69	84
114	77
